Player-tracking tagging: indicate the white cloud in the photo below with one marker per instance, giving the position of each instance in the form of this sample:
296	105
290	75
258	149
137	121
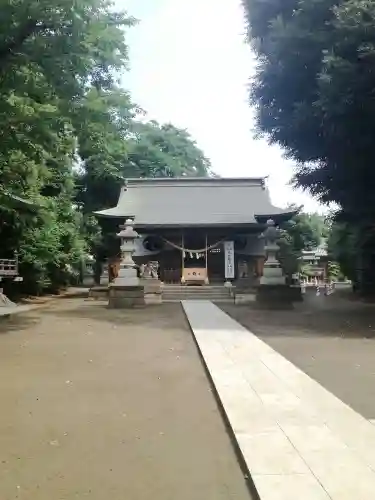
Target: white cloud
190	65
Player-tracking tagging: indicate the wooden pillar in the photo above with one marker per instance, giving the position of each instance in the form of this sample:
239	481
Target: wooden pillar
259	266
182	279
206	257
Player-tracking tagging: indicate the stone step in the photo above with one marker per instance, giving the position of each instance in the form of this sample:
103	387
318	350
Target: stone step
222	291
198	294
193	296
211	297
192	299
195	288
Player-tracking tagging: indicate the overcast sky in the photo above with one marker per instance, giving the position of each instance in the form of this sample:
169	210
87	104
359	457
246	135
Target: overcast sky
190	66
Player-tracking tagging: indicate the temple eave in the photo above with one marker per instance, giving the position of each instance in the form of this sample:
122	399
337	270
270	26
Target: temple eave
113	212
277	215
255	220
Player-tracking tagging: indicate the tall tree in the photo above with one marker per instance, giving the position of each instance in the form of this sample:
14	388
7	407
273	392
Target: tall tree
342	247
131	149
303	232
313	93
68	134
166	151
57	63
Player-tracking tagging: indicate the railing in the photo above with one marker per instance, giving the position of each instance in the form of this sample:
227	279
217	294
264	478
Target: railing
8	267
172	276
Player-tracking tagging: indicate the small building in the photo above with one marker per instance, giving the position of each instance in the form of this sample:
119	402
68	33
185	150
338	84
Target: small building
199	230
314	263
9	269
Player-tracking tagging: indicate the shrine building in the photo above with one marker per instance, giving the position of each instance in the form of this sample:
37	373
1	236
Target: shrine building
199	230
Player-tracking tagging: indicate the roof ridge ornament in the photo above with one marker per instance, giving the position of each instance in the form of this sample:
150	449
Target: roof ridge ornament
264	183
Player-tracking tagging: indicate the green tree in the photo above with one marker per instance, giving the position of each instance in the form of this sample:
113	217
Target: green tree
334	270
342	245
313	93
103	132
130	148
57	66
69	134
166	151
303	232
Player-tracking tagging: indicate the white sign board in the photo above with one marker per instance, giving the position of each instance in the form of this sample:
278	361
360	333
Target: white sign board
229	259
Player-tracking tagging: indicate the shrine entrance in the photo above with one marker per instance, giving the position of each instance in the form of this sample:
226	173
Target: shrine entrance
197	257
192	259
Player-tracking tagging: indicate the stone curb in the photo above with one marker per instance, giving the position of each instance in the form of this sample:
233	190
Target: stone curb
7	312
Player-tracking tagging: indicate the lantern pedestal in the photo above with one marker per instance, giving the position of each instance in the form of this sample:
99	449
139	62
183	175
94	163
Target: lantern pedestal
126	277
153	290
276	296
126	296
153	287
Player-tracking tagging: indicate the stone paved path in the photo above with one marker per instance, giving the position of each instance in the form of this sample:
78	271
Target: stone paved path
299	441
113	405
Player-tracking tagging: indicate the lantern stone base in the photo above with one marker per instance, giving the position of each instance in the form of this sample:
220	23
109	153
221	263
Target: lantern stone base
127	277
272	274
98	292
277	296
296	293
153	289
125	296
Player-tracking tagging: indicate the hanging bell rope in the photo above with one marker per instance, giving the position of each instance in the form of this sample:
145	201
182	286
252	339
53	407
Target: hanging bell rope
193	251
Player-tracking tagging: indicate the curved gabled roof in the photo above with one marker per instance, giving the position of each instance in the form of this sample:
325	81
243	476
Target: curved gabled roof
192	201
9	199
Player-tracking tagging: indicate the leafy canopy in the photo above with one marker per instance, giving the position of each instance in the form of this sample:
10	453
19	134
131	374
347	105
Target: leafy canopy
313	91
313	95
303	232
69	133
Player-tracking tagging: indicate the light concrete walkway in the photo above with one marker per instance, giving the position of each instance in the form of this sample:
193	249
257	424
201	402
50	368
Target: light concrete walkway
298	440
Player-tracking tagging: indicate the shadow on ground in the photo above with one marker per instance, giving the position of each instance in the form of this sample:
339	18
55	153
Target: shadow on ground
332	339
165	316
15	323
333	316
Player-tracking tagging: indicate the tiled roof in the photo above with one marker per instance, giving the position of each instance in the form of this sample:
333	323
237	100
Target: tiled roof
193	201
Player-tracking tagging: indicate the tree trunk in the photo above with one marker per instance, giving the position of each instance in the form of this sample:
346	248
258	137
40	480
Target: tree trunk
15	42
366	265
98	267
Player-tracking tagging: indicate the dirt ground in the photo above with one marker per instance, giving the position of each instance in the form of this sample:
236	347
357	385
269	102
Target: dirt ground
109	404
332	339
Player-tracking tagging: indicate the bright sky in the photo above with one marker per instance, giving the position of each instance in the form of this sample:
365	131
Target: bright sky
190	66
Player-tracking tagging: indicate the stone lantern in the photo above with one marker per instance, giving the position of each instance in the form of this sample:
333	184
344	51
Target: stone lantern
126	290
127	274
273	291
272	272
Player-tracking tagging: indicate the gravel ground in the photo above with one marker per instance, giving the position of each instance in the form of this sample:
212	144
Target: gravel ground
109	404
332	339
